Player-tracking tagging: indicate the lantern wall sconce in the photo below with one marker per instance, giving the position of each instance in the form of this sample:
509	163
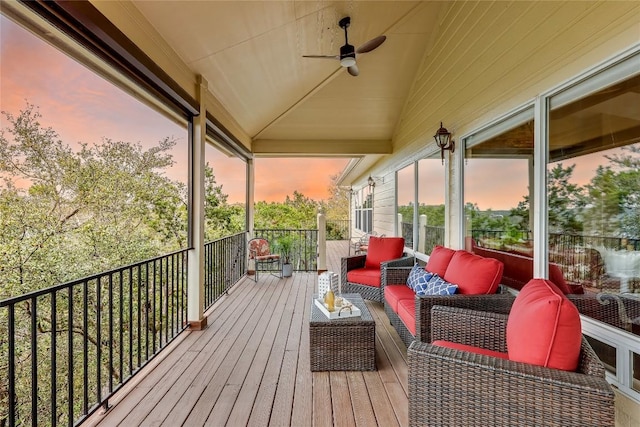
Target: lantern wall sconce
371	182
444	141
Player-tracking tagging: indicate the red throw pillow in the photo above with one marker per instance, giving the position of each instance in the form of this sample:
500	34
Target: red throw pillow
383	249
439	260
556	276
474	275
544	327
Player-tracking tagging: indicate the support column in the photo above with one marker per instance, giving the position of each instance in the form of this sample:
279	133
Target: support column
250	210
195	279
539	208
322	243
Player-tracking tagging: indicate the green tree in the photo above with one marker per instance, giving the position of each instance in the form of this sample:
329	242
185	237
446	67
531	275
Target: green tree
565	200
222	219
614	195
297	212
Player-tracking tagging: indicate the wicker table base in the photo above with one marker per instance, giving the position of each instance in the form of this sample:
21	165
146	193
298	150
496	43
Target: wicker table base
342	344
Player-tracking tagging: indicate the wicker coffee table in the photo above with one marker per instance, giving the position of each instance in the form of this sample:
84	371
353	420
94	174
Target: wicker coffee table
342	344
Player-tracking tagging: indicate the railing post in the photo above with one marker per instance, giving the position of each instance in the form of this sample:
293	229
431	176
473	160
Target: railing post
422	234
322	243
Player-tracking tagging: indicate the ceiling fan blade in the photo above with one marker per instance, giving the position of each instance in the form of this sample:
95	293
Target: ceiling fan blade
353	70
371	44
322	56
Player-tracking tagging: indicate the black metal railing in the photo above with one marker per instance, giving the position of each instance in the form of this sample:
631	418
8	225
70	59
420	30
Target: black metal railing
65	350
225	264
304	256
407	233
433	236
495	239
337	229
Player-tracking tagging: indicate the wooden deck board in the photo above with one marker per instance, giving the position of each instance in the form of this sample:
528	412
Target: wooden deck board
251	367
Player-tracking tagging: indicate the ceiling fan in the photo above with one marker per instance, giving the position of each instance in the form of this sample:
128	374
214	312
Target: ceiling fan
348	53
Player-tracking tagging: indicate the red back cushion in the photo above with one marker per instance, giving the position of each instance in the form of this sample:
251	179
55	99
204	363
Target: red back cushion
383	249
544	327
474	275
439	260
556	276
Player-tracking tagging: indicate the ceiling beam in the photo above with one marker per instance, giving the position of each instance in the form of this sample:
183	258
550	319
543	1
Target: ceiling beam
319	147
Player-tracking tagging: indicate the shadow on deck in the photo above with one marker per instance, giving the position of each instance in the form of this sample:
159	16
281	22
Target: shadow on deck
251	367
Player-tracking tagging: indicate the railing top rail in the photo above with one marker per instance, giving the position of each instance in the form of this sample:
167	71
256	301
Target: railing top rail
225	237
34	294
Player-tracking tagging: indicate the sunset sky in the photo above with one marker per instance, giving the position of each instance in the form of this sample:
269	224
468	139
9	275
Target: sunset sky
82	107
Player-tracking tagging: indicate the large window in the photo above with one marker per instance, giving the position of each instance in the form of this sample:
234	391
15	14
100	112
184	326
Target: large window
431	212
363	218
405	179
497	181
593	218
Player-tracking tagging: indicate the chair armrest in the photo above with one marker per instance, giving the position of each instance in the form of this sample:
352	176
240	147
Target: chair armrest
470	327
493	391
396	271
497	303
350	263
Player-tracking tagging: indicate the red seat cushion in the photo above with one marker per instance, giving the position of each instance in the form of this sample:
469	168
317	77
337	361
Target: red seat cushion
439	260
470	349
474	275
395	293
544	327
365	276
407	313
383	249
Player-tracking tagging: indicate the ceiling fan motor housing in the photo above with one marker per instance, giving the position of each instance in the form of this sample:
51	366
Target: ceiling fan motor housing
347	55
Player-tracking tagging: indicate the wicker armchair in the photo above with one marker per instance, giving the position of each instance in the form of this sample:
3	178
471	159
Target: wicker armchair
394	274
454	387
369	291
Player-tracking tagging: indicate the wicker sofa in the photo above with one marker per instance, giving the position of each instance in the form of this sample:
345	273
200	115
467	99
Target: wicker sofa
478	280
454	385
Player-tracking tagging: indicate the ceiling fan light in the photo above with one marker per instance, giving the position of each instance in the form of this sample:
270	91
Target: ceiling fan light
347	61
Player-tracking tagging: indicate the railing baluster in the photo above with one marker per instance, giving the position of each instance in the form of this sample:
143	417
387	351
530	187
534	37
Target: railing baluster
85	346
120	329
140	308
34	363
70	415
130	321
110	371
98	339
147	306
153	306
54	369
12	367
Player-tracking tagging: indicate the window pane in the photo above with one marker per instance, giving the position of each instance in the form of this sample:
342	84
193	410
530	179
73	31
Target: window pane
406	203
594	200
431	193
497	179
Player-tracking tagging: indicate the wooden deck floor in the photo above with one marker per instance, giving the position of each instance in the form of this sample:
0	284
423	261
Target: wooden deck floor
251	367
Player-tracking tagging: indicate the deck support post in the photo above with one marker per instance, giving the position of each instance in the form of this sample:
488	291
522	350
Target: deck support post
322	243
195	279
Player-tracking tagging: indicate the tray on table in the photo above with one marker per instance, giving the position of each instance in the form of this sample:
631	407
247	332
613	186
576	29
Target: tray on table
347	309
